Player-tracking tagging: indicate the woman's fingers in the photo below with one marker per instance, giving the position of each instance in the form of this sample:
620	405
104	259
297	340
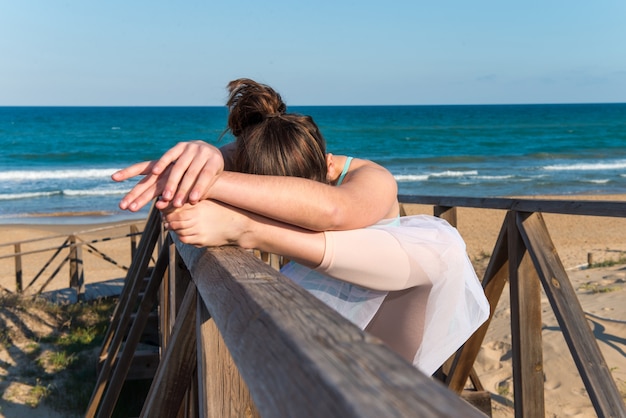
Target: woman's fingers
183	174
193	173
143	191
142	168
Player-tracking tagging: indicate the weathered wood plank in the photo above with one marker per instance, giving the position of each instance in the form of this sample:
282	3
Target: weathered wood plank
525	327
299	357
121	316
570	207
77	272
446	212
172	378
597	378
19	274
146	304
134	278
224	393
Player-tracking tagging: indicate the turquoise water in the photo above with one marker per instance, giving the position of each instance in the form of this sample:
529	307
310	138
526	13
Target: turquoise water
59	159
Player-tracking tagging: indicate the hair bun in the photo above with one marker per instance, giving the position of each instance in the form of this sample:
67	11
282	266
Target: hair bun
250	103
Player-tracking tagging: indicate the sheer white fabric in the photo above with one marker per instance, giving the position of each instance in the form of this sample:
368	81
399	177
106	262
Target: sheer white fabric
355	303
456	305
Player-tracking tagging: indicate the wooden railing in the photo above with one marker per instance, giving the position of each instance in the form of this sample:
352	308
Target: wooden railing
239	339
241	321
525	256
71	253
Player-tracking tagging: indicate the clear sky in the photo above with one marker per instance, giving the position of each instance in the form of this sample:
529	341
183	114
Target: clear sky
316	52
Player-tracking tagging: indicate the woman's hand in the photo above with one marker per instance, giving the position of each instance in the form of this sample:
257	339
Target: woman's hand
206	224
184	174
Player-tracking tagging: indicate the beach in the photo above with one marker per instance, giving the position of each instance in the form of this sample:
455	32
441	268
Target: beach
600	291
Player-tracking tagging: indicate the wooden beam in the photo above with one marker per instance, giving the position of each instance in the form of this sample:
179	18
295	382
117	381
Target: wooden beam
122	315
596	376
150	296
525	326
224	393
570	207
172	378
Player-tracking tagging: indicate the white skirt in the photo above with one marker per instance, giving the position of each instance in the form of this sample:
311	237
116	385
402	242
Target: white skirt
456	304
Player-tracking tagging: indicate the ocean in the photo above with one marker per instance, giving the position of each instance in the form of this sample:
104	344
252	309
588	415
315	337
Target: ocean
56	162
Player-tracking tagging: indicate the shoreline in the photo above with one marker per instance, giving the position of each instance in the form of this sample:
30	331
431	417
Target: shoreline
72	218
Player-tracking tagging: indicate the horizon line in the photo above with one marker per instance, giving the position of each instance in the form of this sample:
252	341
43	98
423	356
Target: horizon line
326	105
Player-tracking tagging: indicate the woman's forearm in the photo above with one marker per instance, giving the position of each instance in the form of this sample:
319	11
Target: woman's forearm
307	203
298	244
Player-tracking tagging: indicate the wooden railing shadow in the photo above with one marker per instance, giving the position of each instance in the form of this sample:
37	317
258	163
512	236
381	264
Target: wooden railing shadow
241	321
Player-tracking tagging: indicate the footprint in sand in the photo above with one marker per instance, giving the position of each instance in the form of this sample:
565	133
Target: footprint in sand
552	384
493	353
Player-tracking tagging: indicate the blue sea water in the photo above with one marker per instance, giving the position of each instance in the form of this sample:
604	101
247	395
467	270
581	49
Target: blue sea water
58	160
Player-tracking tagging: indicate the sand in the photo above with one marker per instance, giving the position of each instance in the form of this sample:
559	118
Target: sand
601	292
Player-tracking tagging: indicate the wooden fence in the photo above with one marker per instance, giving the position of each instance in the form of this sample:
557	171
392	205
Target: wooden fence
239	339
71	252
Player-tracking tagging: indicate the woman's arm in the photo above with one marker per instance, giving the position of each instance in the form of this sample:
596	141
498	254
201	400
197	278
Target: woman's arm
367	195
191	172
368	257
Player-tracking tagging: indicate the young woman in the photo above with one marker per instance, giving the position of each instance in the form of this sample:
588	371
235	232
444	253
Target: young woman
406	280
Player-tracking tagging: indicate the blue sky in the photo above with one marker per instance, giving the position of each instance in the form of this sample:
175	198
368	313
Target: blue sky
322	52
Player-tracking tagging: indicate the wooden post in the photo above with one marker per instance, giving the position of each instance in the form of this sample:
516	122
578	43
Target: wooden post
603	392
172	378
525	288
446	212
227	396
122	364
133	241
77	277
18	268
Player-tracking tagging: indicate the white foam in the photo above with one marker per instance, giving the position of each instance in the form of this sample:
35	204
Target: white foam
453	174
95	192
617	165
27	195
90	173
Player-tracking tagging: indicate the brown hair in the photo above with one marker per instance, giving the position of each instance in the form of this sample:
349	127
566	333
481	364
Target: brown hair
270	141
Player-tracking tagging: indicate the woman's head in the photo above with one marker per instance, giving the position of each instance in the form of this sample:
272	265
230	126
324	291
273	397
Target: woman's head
270	141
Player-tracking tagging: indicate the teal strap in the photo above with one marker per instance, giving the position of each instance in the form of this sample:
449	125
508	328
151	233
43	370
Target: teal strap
346	166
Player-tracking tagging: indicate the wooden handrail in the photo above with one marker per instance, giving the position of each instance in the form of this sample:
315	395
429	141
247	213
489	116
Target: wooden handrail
298	356
616	209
